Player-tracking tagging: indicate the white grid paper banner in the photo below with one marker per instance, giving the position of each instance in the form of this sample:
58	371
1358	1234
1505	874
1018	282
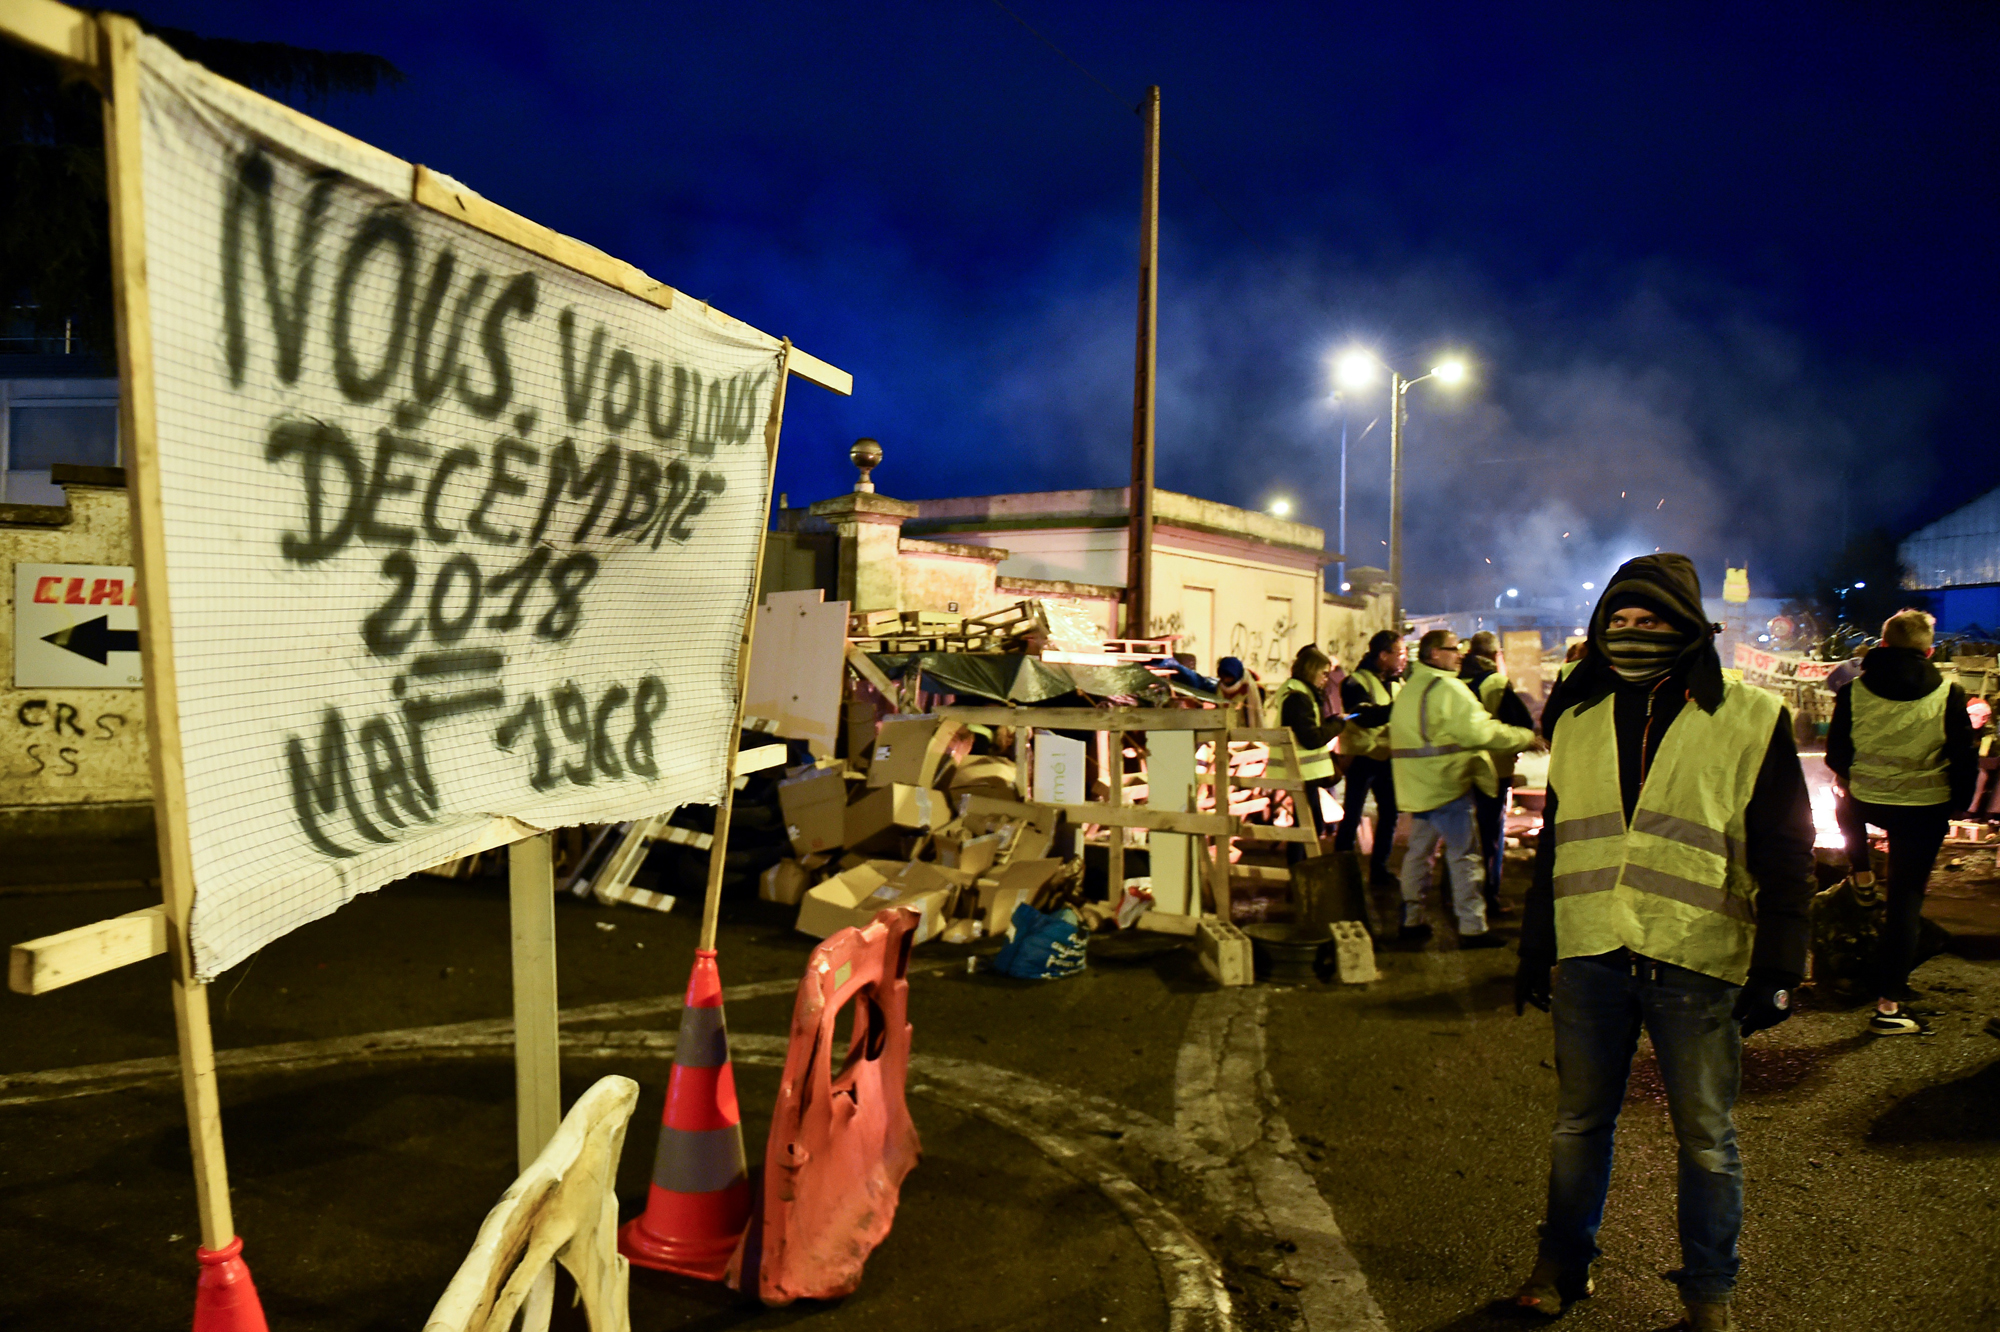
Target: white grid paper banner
455	535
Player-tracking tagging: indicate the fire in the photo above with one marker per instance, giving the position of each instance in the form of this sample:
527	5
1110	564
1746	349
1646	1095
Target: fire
1819	785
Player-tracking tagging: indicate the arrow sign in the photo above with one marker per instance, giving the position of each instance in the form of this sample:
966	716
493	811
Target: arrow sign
95	639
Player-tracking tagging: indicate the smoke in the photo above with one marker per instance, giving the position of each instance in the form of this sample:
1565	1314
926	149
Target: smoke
1606	417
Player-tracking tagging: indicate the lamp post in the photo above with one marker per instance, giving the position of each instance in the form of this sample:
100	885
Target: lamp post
1341	564
1359	366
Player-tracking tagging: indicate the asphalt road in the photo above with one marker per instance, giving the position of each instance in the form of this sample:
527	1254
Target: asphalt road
1421	1105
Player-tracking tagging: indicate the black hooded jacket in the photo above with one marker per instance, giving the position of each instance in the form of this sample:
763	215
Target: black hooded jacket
1903	675
1778	833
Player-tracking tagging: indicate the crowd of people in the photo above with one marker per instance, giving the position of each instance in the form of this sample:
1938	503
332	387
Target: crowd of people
1674	878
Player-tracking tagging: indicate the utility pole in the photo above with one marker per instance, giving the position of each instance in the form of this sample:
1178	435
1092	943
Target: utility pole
1398	386
1139	540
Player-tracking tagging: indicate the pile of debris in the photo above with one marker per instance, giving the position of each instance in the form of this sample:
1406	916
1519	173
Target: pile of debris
917	819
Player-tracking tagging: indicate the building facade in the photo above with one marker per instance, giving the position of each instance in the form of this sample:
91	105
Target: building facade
1956	562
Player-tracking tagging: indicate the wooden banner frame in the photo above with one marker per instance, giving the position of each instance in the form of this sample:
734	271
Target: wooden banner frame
104	49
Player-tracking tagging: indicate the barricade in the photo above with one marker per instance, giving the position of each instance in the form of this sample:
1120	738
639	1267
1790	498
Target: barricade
841	1138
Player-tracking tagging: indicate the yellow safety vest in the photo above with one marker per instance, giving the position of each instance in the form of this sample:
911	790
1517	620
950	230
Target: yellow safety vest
1358	741
1673	886
1898	748
1314	764
1490	690
1441	741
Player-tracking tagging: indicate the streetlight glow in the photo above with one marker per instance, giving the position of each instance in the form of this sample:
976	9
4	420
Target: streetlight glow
1356	369
1513	591
1859	586
1281	508
1449	372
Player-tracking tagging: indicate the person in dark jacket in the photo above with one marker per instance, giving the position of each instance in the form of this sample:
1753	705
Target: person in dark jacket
1366	698
1671	887
1301	711
1480	669
1901	745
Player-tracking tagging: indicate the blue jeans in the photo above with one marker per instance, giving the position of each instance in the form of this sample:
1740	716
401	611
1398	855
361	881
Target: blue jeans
1450	823
1599	1006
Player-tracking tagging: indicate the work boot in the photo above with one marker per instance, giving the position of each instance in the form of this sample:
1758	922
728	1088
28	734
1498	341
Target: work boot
1708	1316
1551	1288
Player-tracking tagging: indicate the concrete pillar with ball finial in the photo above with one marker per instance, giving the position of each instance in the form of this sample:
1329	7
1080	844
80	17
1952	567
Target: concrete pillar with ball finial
870	527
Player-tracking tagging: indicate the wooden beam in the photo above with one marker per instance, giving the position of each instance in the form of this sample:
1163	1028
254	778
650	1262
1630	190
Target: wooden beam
531	892
442	195
711	902
870	672
815	371
140	442
1089	719
56	960
760	758
69	35
1159	820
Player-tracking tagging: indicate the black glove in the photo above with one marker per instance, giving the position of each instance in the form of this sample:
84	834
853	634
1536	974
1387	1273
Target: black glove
1531	985
1766	1000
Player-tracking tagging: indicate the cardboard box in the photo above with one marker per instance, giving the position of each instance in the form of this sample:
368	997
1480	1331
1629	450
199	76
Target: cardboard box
974	855
1028	830
854	897
1003	890
815	808
987	774
910	750
884	810
784	883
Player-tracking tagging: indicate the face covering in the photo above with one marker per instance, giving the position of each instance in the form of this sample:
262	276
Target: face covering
1641	656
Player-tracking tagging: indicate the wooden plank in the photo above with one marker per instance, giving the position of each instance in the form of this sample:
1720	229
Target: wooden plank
531	893
1266	832
1114	775
56	960
711	903
1254	782
440	194
798	669
1260	873
140	443
531	898
69	35
1159	820
760	759
815	371
1089	719
1219	844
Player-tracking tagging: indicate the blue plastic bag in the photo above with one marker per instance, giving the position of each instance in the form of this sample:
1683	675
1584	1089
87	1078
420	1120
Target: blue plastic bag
1042	946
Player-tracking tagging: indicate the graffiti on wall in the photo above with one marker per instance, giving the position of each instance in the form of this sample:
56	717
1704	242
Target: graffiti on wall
1270	653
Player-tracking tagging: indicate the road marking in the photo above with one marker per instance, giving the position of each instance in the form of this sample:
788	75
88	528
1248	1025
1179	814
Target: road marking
1083	1135
1224	1101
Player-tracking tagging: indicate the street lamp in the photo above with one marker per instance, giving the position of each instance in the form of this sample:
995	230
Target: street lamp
1281	508
1360	365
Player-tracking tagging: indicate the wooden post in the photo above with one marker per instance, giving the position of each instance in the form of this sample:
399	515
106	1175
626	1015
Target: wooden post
718	851
1114	771
139	433
1219	882
1023	752
1139	541
531	900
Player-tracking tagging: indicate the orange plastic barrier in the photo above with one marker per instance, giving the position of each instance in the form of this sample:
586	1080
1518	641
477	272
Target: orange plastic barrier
225	1299
699	1201
841	1137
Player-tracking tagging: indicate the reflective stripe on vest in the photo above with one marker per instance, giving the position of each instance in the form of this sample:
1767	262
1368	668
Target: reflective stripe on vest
1427	749
1369	741
1898	748
1673	886
1314	764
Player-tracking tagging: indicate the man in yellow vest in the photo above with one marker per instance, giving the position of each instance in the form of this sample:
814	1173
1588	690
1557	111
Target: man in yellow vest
1300	711
1480	669
1670	892
1441	746
1365	699
1901	744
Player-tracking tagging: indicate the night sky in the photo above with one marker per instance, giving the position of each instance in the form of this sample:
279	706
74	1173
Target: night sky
1736	262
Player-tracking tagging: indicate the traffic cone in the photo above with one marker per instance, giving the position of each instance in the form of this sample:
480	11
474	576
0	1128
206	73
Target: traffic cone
699	1203
225	1299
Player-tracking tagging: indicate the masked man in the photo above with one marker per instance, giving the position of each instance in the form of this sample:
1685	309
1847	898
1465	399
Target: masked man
1670	892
